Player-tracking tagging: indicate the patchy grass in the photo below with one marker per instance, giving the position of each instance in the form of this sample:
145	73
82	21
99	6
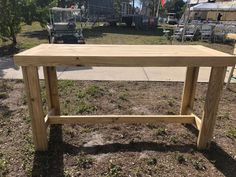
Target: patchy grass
180	158
114	170
151	161
3	165
84	162
232	133
116	150
199	164
34	35
124	96
161	131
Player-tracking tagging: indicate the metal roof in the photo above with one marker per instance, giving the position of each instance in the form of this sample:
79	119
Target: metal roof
218	6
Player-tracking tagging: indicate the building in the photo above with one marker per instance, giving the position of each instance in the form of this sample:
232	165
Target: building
205	10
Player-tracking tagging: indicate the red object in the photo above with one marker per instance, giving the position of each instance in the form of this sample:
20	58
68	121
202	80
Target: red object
163	3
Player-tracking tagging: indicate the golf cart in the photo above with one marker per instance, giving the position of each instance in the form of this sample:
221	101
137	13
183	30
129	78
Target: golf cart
63	27
171	19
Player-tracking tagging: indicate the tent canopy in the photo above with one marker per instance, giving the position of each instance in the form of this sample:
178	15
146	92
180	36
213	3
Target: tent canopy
218	6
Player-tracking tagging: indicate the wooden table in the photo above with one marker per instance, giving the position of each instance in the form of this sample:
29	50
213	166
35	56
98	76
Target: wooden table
51	55
231	36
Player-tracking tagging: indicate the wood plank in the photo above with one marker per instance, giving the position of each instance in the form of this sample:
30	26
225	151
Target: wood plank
32	88
231	74
50	113
234	49
232	69
231	36
108	119
123	55
198	120
51	85
211	106
189	89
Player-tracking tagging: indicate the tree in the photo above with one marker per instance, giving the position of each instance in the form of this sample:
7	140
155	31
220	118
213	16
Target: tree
10	18
17	12
152	5
175	6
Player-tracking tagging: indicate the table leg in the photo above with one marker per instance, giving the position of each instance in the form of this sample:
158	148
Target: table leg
213	96
51	85
230	76
189	89
32	87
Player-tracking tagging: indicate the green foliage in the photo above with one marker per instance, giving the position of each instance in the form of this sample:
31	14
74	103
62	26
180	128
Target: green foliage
231	133
92	91
199	164
177	7
151	161
180	158
10	18
114	170
161	131
18	12
84	162
3	165
85	107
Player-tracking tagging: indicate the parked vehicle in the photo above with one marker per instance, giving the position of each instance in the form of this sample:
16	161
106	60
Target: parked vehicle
63	26
171	19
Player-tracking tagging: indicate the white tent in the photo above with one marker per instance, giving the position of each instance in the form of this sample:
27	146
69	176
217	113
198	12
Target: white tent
218	6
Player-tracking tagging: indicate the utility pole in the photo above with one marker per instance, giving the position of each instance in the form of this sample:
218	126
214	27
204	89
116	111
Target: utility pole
133	8
158	11
186	18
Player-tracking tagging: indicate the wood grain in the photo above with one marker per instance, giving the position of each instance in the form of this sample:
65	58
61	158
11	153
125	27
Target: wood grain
51	85
189	89
32	88
123	55
211	106
108	119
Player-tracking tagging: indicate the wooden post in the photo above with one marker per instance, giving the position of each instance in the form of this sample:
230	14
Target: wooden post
232	70
51	85
32	87
211	107
230	77
189	89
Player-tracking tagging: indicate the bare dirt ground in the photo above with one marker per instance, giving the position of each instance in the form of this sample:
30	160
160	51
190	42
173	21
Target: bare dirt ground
115	150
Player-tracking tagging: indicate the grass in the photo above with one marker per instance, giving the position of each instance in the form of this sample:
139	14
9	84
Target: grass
199	164
3	165
92	91
114	170
161	131
34	35
180	158
151	161
84	162
231	133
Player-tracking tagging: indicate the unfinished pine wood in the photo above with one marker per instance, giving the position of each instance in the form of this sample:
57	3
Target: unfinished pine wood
108	119
50	113
123	55
232	69
51	85
198	120
231	74
189	89
231	36
32	88
211	107
234	49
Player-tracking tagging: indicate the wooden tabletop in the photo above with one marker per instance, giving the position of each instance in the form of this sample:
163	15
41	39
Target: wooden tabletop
123	55
231	36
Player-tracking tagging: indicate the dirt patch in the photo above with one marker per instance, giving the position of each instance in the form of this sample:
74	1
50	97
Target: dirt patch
115	150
